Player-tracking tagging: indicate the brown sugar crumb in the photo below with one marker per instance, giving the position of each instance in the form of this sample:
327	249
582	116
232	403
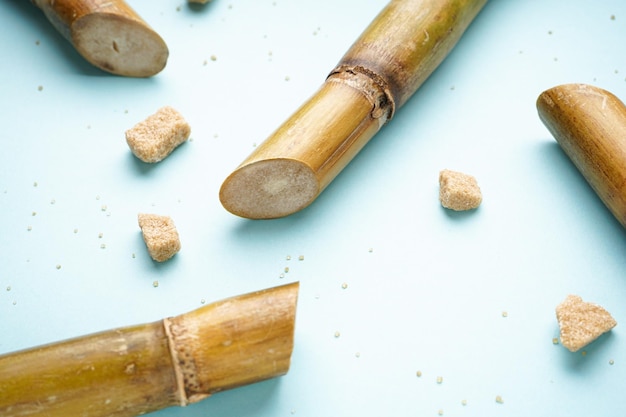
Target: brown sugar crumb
458	191
154	138
581	322
160	236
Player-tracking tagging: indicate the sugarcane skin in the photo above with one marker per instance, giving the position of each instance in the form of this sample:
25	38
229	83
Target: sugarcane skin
589	123
237	341
120	373
138	369
408	40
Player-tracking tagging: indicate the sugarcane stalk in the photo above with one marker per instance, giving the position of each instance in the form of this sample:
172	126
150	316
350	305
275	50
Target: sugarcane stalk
589	124
109	34
391	59
139	369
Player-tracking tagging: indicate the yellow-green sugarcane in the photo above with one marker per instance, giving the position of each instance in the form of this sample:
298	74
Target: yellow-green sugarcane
384	67
134	370
589	123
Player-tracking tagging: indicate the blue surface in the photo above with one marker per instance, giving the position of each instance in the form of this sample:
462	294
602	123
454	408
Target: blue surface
426	288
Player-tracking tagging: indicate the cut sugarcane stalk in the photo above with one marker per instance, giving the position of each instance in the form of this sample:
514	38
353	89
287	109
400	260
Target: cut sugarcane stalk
135	370
109	34
384	67
589	124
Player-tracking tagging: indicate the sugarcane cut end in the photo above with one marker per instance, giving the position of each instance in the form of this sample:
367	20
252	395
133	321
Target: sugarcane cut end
269	188
119	45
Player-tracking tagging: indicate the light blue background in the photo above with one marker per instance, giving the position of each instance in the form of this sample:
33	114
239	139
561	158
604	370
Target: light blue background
426	288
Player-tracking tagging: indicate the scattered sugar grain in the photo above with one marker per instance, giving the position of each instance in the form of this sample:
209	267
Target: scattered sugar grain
418	374
337	334
611	362
288	257
58	266
344	285
439	379
555	340
499	399
286	269
155	283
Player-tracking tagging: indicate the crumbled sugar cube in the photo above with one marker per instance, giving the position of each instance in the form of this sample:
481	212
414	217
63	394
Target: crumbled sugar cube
458	191
160	236
581	322
154	138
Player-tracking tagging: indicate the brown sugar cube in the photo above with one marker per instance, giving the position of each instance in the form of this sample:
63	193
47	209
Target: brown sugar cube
154	138
458	191
160	235
581	322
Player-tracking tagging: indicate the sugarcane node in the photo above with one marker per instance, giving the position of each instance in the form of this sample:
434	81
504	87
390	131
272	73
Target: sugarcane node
589	124
109	34
372	85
